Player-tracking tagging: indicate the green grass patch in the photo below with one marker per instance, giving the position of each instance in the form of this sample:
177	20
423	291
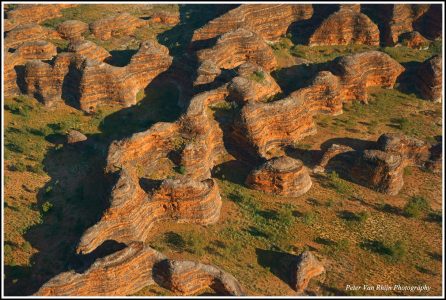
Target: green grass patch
416	206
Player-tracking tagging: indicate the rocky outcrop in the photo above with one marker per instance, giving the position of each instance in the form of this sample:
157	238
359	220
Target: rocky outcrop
28	33
333	151
165	18
14	63
189	278
252	84
436	158
207	72
72	30
361	70
35	13
413	40
308	267
103	83
283	176
237	47
270	21
380	171
75	136
122	24
47	82
127	271
133	212
347	26
429	79
381	165
397	19
89	50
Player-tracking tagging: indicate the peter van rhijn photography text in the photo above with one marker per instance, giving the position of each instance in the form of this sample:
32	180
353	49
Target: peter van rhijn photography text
215	149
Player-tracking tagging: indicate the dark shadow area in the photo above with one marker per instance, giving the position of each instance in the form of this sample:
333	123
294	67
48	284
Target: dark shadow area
78	192
293	78
407	79
234	171
435	256
356	144
148	185
375	247
71	94
302	30
324	241
281	264
81	263
20	78
159	105
310	158
381	16
192	17
120	58
256	232
332	290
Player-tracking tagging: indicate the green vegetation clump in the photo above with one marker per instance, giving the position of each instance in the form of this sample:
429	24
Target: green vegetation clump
258	76
392	252
415	206
338	184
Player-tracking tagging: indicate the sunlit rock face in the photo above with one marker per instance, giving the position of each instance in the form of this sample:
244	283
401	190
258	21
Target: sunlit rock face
270	21
344	27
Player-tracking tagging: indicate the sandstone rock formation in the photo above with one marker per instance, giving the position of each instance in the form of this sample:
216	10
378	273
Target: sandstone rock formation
207	72
165	18
72	30
133	212
127	271
14	62
308	267
28	33
122	24
48	81
331	152
75	136
35	13
361	70
413	40
88	49
429	79
380	167
347	26
397	19
103	83
237	47
270	21
283	176
189	277
252	84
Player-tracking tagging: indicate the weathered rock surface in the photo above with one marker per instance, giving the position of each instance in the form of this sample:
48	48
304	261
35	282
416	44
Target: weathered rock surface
270	21
35	13
133	212
75	136
72	30
413	40
207	72
283	176
47	82
252	84
28	33
14	63
122	24
344	27
237	47
331	152
308	267
165	18
103	83
89	50
189	277
129	270
429	79
361	70
436	158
